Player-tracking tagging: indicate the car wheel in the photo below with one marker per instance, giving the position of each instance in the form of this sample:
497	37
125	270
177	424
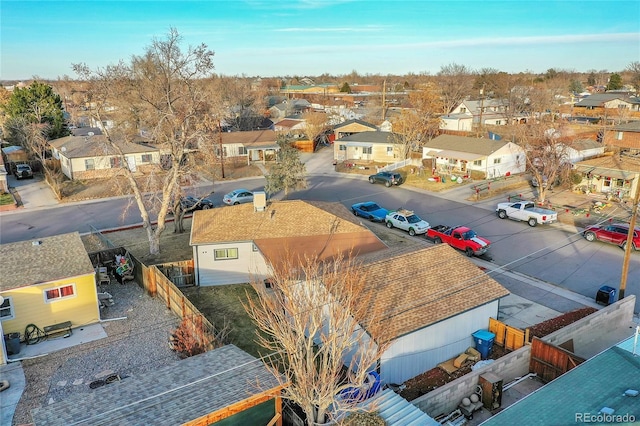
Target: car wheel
412	232
624	245
389	224
236	203
355	212
468	251
590	236
371	180
372	218
437	240
206	207
502	214
387	184
532	222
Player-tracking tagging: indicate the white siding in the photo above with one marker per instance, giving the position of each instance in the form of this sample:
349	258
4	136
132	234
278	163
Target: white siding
511	160
458	124
249	265
424	349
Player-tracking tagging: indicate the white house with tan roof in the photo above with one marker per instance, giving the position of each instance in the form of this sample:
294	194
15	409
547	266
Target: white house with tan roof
434	299
235	244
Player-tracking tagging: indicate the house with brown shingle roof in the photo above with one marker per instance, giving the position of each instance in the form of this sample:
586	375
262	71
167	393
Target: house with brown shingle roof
254	145
47	281
616	175
236	244
433	300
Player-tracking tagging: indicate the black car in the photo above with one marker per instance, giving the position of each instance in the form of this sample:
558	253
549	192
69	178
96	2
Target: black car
388	178
190	203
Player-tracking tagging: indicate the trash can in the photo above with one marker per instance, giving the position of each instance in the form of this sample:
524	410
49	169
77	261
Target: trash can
606	295
12	343
484	342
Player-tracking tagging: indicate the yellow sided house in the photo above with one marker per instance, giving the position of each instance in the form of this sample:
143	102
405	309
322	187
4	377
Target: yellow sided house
48	283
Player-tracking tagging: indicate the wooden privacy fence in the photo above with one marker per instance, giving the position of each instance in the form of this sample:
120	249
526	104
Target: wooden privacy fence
549	361
179	273
158	285
508	337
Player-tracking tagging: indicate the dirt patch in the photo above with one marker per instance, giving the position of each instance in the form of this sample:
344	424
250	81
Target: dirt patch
436	377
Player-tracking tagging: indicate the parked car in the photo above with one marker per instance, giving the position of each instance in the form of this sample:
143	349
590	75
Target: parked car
407	221
238	196
526	211
387	178
459	237
615	233
369	210
23	171
193	203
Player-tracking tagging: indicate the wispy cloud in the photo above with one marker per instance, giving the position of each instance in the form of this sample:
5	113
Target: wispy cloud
361	29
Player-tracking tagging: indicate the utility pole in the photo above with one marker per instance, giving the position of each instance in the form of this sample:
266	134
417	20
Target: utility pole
629	246
221	149
481	108
384	101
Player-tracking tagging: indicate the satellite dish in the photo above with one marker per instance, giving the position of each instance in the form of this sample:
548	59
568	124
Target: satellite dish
90	134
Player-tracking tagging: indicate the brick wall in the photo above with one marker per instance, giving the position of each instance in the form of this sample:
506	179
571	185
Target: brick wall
447	397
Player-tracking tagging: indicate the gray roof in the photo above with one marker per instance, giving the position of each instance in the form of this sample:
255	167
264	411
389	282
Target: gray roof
585	144
371	137
597	383
480	146
25	263
356	121
599	99
95	146
178	393
632	126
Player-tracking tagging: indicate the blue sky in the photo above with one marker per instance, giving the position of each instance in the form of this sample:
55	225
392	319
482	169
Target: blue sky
312	37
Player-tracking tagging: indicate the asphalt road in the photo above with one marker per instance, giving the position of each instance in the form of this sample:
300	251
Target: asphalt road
556	254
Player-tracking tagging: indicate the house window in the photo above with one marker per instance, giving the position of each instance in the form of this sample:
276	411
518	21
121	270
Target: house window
453	161
367	150
389	150
619	183
606	183
116	162
146	158
463	110
497	160
6	309
58	293
619	136
89	164
477	162
242	151
225	254
343	147
498	122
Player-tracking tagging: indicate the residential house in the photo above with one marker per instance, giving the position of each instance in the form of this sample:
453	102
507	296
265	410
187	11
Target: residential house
624	136
91	157
225	386
612	104
289	108
616	175
582	149
368	146
434	299
352	126
488	158
224	253
289	125
47	281
602	389
470	114
256	145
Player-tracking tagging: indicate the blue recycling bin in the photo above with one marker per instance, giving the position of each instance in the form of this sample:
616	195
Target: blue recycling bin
606	295
484	342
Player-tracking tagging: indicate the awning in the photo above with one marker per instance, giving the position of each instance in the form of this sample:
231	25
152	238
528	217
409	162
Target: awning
262	147
456	155
603	171
363	144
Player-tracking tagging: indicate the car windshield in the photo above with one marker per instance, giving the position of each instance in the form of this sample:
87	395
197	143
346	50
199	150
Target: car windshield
413	219
370	207
469	235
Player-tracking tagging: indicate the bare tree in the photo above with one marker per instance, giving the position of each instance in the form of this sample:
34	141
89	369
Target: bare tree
547	159
315	124
456	82
634	69
158	95
289	172
318	324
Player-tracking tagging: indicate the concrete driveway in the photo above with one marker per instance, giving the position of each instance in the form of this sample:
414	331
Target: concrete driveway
32	193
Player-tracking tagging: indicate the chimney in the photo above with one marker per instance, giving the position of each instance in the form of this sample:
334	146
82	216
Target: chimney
259	201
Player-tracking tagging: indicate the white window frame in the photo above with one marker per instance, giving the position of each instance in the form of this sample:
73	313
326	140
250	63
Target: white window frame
342	147
8	301
497	160
477	162
367	150
619	136
242	150
89	164
389	150
146	158
57	298
225	254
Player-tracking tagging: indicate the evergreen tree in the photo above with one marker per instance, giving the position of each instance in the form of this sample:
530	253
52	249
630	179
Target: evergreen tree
289	172
615	82
345	88
576	87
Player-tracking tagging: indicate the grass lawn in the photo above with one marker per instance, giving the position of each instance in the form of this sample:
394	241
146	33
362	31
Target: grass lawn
6	198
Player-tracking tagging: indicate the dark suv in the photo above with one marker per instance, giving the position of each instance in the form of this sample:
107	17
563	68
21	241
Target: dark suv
388	178
23	171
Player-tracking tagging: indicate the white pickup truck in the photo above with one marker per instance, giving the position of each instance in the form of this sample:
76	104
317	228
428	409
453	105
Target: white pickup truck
526	211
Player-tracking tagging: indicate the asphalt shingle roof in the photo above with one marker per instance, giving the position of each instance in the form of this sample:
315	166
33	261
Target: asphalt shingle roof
371	137
480	146
95	146
250	138
184	391
25	263
416	289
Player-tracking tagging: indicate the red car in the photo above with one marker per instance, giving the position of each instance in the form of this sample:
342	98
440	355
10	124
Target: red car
615	233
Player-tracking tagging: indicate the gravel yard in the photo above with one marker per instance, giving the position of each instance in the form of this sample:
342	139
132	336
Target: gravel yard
137	342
